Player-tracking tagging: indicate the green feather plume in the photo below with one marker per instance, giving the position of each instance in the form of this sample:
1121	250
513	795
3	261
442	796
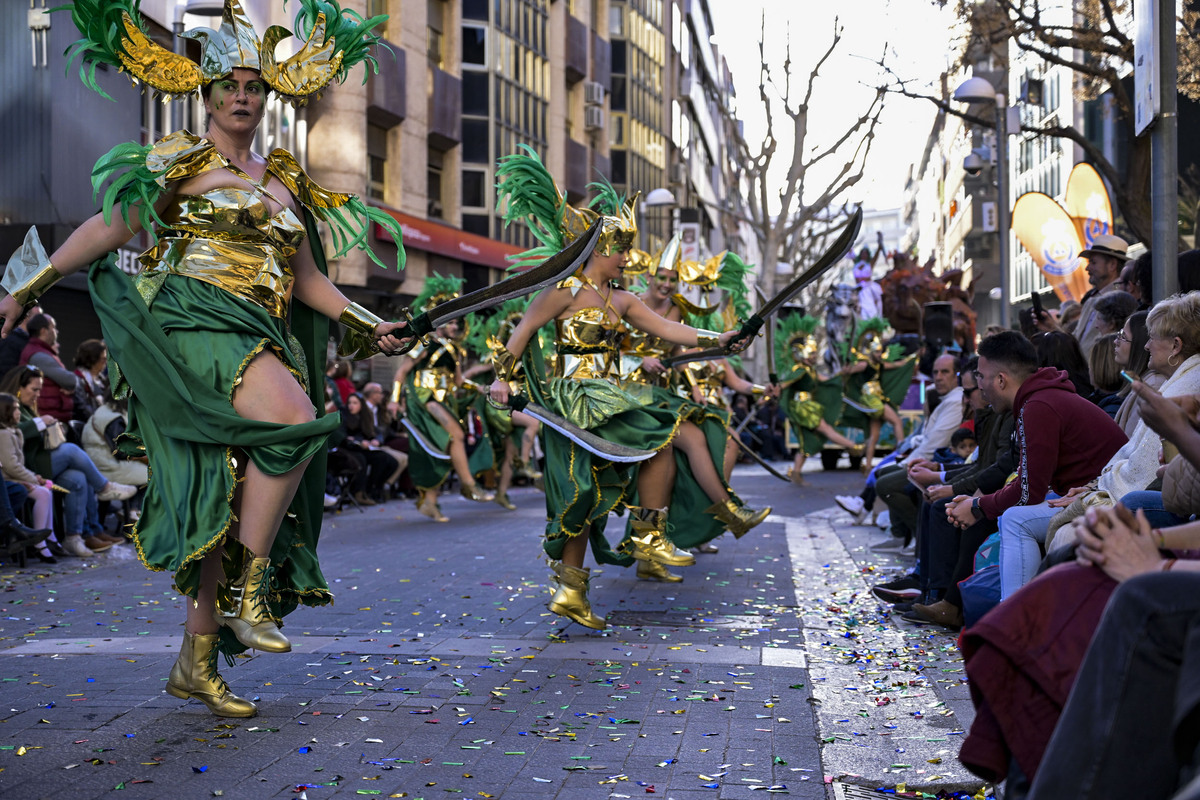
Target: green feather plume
353	33
101	27
732	279
789	328
608	201
436	284
350	224
526	190
491	326
134	186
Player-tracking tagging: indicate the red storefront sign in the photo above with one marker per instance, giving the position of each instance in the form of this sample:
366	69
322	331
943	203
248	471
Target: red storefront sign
434	237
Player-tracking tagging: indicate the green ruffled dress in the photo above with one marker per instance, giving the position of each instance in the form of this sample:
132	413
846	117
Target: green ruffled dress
807	399
582	489
212	296
432	380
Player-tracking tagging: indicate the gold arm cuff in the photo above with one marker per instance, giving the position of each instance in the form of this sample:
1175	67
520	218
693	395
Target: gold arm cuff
506	364
359	320
707	338
359	341
757	389
37	285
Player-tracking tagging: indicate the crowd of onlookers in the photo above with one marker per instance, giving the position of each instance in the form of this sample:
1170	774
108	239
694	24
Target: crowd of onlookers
1065	547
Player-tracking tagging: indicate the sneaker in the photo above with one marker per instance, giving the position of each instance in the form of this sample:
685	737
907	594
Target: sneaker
915	618
884	520
74	546
97	545
940	613
116	491
330	501
898	591
849	503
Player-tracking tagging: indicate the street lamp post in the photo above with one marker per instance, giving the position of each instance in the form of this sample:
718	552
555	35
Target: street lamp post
978	90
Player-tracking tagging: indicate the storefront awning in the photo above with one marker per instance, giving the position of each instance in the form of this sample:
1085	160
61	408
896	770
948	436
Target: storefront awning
435	237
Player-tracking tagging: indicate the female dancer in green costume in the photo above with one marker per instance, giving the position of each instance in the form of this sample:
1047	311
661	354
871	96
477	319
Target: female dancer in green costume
812	404
224	396
876	379
436	405
587	311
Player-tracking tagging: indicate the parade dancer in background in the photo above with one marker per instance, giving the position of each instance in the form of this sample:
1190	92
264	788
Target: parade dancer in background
587	311
813	404
444	417
224	374
877	379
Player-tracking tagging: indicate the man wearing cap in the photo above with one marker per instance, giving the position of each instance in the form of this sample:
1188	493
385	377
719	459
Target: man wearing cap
1106	257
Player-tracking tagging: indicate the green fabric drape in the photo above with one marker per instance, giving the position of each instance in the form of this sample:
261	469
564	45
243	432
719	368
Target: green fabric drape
182	358
426	471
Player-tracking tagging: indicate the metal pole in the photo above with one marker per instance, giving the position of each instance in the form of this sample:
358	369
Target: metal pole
1002	207
1164	157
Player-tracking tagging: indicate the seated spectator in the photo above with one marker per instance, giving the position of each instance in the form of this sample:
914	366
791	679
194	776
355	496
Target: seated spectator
339	370
12	463
382	418
962	445
1060	437
1131	355
1136	279
360	437
1112	310
58	394
1068	315
100	442
1105	375
1059	350
67	465
91	361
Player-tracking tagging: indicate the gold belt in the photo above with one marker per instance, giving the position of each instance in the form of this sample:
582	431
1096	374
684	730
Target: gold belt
253	271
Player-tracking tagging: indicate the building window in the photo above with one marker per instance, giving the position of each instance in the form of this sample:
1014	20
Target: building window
475	9
433	185
435	32
475	141
476	223
474	188
475	93
377	153
474	45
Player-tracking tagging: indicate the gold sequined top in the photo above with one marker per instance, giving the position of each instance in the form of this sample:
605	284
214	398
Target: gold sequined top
586	346
637	345
228	236
437	364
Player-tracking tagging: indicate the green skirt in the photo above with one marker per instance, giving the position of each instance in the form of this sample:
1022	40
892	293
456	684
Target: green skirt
688	523
428	471
182	358
582	489
825	403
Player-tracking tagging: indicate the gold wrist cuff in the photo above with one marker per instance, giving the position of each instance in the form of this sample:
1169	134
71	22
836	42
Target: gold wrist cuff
359	320
37	285
707	338
506	364
757	389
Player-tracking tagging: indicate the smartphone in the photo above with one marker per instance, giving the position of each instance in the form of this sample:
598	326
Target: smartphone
1037	306
1127	376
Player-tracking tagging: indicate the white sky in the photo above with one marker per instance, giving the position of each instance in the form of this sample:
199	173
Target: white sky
917	37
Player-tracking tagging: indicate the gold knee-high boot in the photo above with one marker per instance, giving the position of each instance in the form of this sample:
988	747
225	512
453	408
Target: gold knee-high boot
737	519
248	615
570	598
195	676
654	571
649	538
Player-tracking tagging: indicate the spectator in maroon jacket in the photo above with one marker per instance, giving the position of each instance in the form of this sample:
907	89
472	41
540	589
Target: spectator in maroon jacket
58	392
1062	440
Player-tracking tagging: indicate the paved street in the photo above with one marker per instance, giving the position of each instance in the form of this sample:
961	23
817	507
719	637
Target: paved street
439	672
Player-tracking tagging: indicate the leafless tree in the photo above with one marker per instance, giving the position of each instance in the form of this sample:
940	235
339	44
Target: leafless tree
793	221
1096	46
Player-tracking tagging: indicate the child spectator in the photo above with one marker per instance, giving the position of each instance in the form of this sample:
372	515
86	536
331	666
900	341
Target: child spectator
12	462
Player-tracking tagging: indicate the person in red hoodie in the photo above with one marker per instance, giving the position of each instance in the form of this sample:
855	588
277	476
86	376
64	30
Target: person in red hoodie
1061	440
58	391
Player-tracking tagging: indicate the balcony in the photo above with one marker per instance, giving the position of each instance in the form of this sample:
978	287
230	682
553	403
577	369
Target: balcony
445	110
387	99
577	164
601	60
601	165
576	61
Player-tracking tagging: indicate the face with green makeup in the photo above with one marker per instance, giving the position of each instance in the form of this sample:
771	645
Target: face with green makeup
236	103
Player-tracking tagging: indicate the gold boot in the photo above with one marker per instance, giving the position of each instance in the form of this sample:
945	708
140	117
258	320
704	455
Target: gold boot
570	598
195	675
427	504
649	538
248	615
503	501
738	520
654	571
522	469
474	492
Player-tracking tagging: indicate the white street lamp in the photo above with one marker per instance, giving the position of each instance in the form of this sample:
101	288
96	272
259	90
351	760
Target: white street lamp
979	90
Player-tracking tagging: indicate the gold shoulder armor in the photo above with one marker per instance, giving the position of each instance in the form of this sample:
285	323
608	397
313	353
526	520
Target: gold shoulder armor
181	155
283	165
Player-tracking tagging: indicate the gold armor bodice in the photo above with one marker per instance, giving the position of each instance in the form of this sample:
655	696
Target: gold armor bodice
637	345
437	364
709	377
228	237
586	346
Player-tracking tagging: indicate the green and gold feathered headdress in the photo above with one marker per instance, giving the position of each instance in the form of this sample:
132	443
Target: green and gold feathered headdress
335	39
719	283
791	330
527	191
437	289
